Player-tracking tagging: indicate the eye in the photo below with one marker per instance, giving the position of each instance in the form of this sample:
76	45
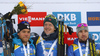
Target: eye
50	25
23	31
45	24
80	31
86	31
28	32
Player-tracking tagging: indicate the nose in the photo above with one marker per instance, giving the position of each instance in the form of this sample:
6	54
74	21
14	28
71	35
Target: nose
26	34
47	26
83	33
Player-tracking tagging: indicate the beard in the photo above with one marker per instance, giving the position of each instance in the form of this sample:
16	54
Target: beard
83	38
83	41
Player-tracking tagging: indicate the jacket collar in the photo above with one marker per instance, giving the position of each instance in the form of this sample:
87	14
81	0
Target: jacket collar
52	36
18	41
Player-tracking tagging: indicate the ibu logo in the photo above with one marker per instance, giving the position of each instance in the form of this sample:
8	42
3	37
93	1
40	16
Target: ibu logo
96	36
70	18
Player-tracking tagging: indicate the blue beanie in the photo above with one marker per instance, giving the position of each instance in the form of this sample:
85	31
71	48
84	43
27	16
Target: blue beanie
23	25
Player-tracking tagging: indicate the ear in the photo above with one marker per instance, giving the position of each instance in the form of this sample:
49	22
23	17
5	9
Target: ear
17	33
54	29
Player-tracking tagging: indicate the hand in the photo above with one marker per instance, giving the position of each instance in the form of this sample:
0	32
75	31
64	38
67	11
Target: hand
70	30
7	15
65	29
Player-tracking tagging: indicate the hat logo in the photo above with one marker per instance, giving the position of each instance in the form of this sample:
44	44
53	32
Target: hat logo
49	19
27	26
18	29
82	27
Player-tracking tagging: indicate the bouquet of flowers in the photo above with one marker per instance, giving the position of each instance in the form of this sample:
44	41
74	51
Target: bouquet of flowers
19	9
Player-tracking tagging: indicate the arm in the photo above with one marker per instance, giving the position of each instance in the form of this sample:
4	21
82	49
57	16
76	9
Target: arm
9	22
70	51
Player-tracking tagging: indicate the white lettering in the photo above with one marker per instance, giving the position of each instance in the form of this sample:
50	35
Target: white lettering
40	18
68	38
96	35
36	19
60	15
29	18
25	19
71	38
66	17
72	23
33	18
73	17
21	18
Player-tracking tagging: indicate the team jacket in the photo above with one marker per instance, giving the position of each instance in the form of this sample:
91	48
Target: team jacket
18	47
48	41
47	45
73	50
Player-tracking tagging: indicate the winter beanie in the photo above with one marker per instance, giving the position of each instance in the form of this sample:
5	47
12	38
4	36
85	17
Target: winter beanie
23	25
51	18
81	26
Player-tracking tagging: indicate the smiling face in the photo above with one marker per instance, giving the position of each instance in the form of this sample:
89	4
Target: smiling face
83	35
24	35
49	28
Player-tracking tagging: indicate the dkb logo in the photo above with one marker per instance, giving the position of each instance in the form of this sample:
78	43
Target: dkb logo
70	18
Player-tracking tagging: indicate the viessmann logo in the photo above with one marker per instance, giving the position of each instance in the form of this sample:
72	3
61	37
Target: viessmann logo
34	18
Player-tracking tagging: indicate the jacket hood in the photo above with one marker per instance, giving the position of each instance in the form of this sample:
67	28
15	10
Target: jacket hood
76	41
18	41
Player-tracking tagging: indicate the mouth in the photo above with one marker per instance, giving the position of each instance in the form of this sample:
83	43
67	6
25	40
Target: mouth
25	37
47	30
84	38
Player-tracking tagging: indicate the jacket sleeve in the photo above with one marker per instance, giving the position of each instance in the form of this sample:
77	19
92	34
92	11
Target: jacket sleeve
70	51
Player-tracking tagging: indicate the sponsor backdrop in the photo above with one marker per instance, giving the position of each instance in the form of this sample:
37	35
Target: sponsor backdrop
73	11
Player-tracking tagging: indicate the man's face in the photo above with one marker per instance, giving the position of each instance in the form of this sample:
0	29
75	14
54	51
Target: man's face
24	35
83	35
48	28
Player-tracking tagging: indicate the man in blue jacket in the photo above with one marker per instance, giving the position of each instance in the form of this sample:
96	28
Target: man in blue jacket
81	44
22	44
47	43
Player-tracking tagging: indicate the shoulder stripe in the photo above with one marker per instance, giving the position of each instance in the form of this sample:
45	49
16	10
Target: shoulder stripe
16	46
37	41
75	47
